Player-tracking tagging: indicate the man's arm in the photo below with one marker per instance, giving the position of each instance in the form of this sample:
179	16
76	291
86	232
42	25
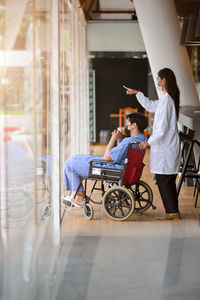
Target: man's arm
115	135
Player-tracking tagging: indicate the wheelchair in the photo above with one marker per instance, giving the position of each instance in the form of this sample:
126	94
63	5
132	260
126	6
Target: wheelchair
122	190
20	191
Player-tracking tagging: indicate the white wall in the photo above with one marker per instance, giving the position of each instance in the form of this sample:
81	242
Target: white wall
114	36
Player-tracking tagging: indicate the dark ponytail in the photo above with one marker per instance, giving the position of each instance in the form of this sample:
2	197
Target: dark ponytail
171	87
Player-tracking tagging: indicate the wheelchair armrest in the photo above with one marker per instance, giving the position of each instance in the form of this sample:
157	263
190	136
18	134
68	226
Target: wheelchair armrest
105	161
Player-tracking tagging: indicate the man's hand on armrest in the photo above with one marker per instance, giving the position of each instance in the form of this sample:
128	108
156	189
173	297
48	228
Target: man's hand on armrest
107	156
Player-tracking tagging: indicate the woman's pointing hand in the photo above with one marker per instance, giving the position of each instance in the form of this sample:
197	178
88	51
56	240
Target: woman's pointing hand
130	91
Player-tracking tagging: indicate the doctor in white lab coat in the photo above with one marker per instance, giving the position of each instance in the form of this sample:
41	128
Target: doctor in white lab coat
164	142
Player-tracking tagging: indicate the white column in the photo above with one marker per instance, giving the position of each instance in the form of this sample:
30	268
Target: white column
74	109
55	121
79	101
161	33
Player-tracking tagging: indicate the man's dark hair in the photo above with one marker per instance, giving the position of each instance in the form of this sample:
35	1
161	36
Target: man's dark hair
139	119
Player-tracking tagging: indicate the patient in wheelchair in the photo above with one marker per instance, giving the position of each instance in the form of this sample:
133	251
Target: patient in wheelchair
78	166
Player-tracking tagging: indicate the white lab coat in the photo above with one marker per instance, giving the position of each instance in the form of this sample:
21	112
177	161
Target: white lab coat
164	141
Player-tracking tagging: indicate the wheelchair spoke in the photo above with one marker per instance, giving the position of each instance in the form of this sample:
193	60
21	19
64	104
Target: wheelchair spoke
117	195
111	205
126	204
140	199
123	199
112	198
115	209
142	206
120	208
141	193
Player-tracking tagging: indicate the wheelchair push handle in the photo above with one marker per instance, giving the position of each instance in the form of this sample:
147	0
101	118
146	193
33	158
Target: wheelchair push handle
137	145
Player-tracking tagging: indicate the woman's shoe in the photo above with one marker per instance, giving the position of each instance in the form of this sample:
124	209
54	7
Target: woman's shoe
173	216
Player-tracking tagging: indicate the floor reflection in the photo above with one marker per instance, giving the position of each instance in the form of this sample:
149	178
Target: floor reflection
140	258
165	266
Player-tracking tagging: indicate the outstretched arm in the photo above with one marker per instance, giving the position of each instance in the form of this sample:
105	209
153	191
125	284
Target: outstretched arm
149	105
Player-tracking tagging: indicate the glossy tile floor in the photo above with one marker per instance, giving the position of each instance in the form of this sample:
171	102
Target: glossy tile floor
141	258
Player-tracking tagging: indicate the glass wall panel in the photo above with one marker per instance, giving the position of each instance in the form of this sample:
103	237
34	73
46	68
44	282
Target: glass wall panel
25	148
43	121
24	110
42	37
17	117
73	76
65	62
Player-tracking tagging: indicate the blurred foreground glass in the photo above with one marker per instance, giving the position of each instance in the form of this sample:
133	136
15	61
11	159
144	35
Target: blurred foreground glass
25	162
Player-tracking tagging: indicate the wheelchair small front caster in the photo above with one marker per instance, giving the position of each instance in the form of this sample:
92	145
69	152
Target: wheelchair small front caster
88	211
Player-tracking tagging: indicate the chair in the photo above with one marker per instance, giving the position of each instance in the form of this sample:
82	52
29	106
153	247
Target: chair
187	169
195	175
122	115
196	190
197	184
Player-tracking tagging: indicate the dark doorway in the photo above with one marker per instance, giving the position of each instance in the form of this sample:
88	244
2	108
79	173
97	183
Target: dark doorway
111	74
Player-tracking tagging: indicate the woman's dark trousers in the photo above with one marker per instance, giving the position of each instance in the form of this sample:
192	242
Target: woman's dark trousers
167	189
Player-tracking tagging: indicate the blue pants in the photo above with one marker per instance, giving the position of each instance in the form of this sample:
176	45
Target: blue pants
76	168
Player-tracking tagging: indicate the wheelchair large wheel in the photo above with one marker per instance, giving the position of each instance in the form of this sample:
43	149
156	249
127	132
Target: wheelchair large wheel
46	211
20	204
143	196
118	203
